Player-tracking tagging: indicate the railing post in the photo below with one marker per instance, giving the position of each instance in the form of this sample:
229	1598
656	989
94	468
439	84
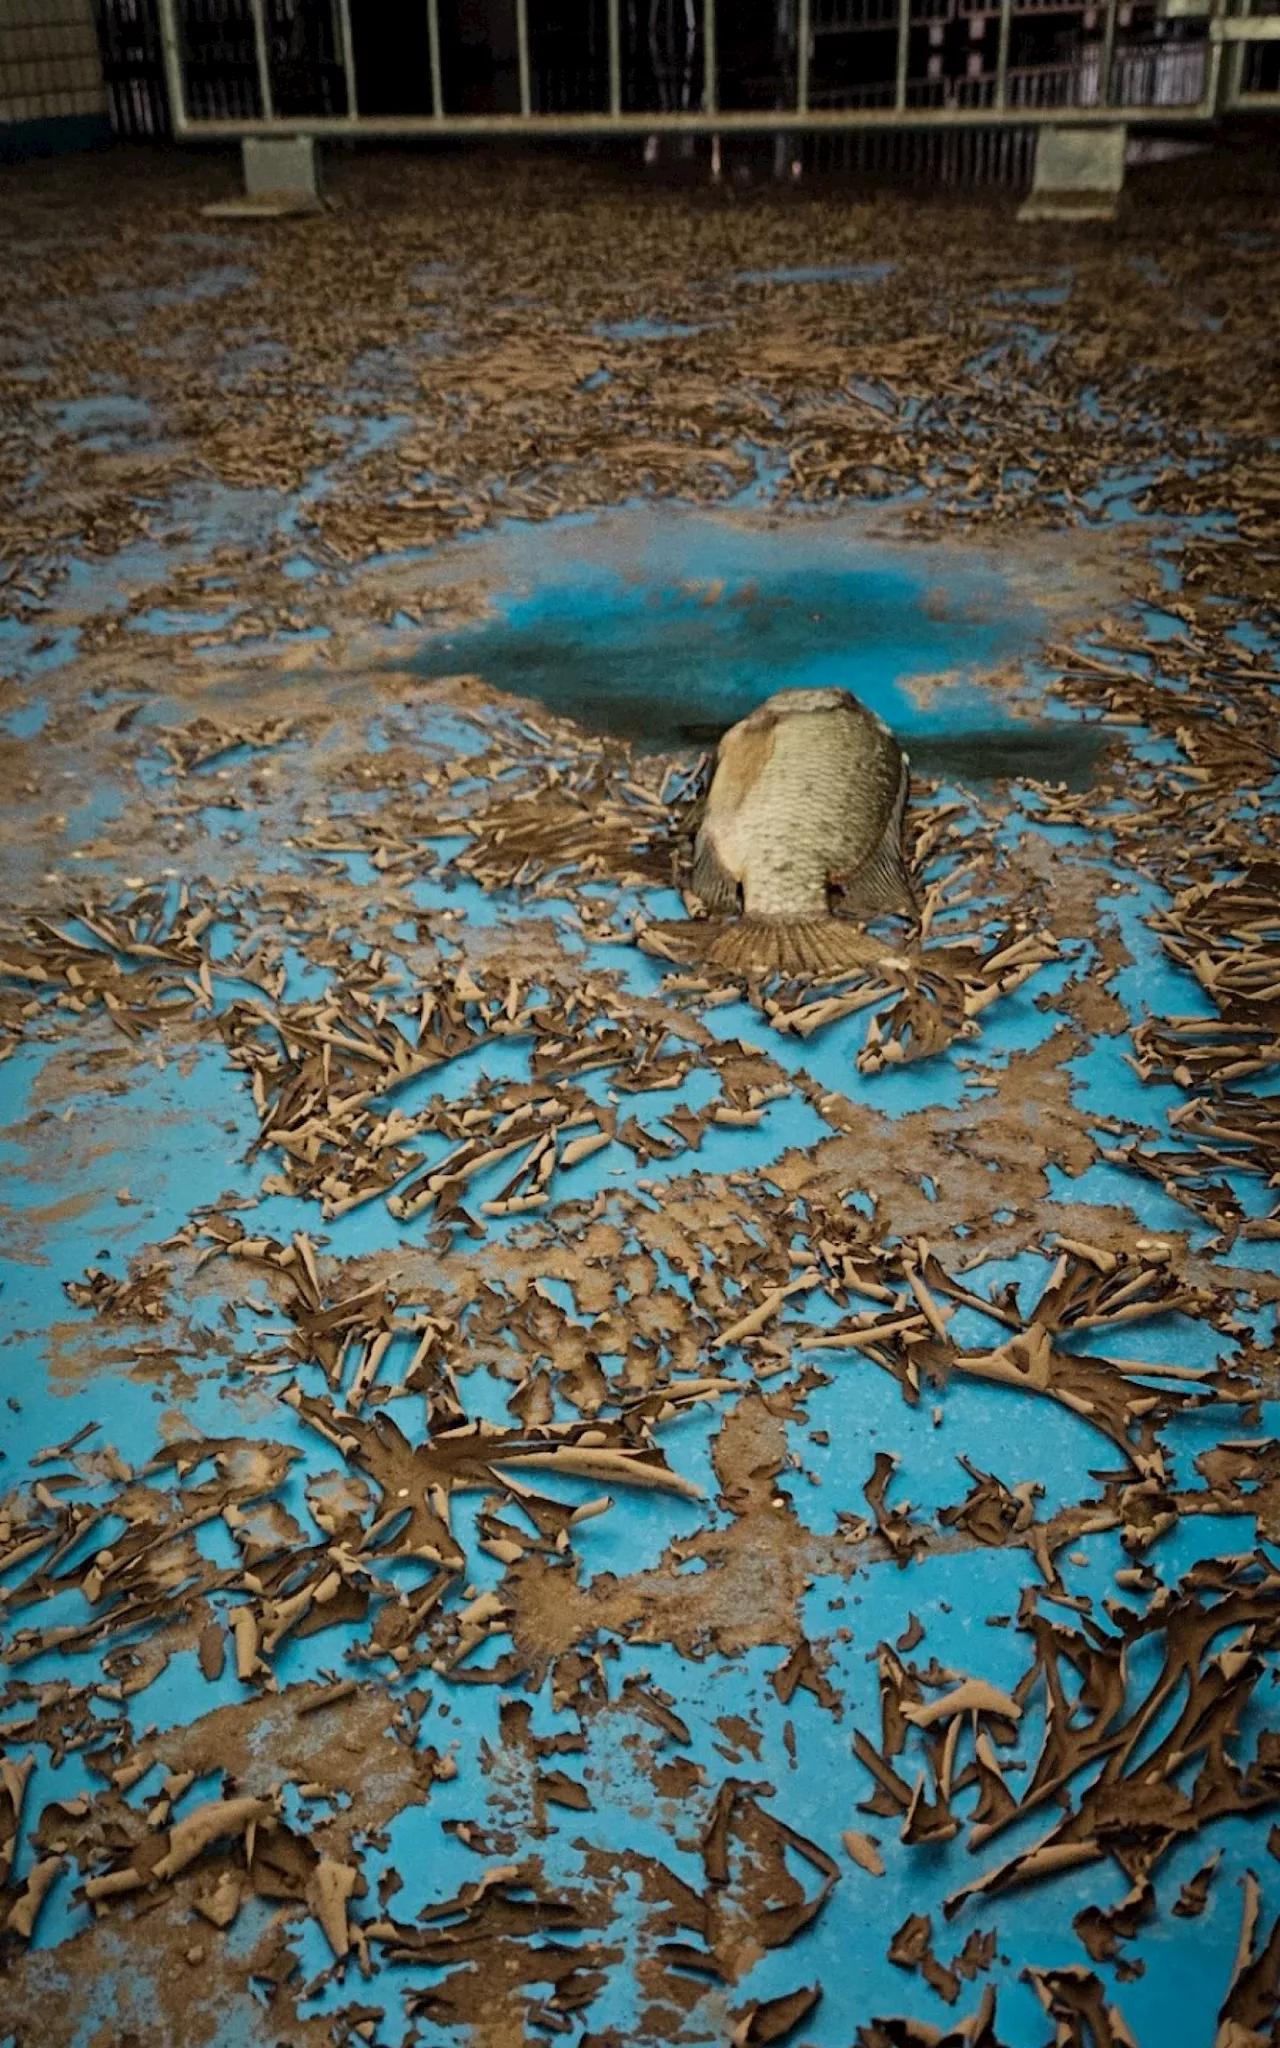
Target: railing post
172	53
1234	67
433	47
615	60
264	64
348	59
1107	61
522	55
802	57
904	48
1211	98
1002	55
710	95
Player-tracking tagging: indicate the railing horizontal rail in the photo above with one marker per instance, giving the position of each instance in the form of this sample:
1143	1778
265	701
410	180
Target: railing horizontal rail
758	121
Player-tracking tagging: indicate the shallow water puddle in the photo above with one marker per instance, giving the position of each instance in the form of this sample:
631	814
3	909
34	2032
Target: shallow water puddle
664	626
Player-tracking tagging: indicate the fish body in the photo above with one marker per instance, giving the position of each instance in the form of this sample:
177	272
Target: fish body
803	814
803	793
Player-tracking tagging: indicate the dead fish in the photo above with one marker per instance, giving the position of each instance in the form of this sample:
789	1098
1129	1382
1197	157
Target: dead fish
803	820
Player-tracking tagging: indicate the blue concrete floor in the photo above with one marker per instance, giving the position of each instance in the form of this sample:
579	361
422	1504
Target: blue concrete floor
114	1150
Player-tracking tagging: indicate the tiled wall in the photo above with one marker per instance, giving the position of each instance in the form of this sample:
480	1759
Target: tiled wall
49	62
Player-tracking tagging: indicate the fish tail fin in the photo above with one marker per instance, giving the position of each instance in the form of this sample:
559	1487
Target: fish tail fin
753	945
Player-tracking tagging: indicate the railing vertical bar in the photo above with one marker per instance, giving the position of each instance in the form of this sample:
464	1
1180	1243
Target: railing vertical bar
172	54
904	48
1210	97
348	58
1002	55
522	56
710	83
263	61
433	47
802	57
1236	59
615	59
1107	61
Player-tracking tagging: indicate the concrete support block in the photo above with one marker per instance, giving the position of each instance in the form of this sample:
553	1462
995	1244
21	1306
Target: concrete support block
277	165
279	180
1079	173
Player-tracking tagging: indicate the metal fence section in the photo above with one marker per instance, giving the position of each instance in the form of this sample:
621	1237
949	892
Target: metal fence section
133	68
1254	57
603	67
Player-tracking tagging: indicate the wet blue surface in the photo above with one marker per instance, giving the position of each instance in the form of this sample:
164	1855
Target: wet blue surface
819	273
666	626
648	330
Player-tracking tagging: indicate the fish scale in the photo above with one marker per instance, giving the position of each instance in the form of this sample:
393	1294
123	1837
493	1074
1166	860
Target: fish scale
814	811
818	806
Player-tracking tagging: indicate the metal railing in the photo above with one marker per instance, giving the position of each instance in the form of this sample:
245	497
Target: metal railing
238	85
1253	73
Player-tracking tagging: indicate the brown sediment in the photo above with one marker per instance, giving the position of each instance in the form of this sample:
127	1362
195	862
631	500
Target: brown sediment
747	1593
1004	1136
24	1229
355	1755
173	1979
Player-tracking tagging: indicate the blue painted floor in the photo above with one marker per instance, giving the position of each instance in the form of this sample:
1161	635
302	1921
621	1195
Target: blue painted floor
524	1773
